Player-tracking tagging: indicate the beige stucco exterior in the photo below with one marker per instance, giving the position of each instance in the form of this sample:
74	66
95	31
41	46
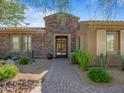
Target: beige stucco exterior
93	35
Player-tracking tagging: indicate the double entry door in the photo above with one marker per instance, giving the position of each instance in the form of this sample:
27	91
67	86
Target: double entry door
61	46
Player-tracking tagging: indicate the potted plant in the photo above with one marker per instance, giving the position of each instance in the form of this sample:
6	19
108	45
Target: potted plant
49	56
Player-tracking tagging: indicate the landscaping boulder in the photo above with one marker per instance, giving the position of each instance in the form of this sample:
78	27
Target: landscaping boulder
10	62
2	62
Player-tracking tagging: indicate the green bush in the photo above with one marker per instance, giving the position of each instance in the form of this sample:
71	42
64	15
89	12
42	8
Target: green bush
74	58
84	59
99	75
24	60
8	71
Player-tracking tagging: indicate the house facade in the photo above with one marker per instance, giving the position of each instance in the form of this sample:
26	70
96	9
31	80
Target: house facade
54	39
60	39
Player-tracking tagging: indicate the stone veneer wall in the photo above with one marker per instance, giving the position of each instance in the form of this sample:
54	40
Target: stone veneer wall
38	45
54	27
39	42
4	44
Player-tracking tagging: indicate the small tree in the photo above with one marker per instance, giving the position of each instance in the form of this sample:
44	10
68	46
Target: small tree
11	12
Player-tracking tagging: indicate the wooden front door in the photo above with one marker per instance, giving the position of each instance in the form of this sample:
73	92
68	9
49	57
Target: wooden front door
61	46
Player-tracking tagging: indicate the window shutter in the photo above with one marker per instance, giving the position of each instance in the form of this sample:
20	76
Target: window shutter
122	42
101	42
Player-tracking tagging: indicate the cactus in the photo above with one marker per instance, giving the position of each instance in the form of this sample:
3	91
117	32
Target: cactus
104	60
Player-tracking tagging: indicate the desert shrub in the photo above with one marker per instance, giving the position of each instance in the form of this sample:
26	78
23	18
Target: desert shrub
8	71
24	60
84	59
99	75
7	56
74	58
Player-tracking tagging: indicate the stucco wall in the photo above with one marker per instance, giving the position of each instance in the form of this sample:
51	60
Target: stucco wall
83	34
92	41
87	37
93	38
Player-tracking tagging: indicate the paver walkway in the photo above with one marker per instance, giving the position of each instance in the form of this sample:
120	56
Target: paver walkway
63	79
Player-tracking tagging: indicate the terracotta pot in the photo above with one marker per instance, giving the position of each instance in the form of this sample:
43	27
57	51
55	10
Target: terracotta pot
50	56
122	69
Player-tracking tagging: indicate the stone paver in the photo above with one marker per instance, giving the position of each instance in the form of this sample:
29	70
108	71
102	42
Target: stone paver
63	79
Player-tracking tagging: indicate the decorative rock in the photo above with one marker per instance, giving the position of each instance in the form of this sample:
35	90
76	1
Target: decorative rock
2	62
20	86
10	62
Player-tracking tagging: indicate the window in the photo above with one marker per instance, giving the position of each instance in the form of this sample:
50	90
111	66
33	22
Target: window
110	42
15	43
113	42
27	43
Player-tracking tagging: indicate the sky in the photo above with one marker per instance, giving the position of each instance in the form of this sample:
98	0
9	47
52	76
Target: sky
34	16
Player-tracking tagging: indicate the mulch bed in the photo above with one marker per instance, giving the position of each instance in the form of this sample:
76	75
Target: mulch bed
20	86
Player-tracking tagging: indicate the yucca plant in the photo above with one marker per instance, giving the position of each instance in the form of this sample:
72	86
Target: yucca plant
74	57
84	59
8	71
